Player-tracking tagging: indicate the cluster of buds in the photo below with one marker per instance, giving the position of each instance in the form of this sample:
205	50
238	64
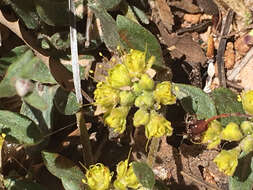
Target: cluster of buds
227	160
129	84
98	177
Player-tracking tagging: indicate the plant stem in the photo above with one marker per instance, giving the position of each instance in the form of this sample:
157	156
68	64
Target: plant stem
152	151
84	139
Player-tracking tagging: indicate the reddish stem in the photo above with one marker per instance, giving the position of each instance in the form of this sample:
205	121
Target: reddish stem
201	125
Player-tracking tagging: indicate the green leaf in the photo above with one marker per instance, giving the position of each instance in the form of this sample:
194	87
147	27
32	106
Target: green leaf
109	4
243	177
13	184
144	174
137	37
66	102
23	64
26	11
63	168
194	100
42	118
141	15
226	102
110	33
11	57
36	101
19	129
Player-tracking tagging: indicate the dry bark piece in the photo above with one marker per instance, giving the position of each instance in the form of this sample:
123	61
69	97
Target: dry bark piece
229	56
186	5
192	18
165	13
210	47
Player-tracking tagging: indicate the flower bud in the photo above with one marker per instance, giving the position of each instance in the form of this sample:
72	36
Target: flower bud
247	144
137	89
247	101
126	98
126	177
145	100
116	119
106	96
119	76
141	117
212	134
146	83
247	127
135	62
227	161
157	126
231	132
163	94
98	177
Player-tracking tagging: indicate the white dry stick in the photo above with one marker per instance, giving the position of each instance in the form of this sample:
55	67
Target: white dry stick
74	52
234	73
209	79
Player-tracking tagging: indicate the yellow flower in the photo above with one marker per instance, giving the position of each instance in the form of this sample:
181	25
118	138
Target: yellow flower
117	118
145	100
119	76
141	117
126	98
98	177
126	177
105	96
247	101
212	134
231	132
157	126
227	161
163	94
135	62
247	127
146	83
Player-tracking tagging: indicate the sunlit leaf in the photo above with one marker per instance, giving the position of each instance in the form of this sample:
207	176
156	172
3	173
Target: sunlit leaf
194	100
226	102
108	25
19	129
137	37
26	11
23	64
144	174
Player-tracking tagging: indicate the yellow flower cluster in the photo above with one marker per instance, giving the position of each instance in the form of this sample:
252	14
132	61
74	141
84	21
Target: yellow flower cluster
130	84
227	160
98	177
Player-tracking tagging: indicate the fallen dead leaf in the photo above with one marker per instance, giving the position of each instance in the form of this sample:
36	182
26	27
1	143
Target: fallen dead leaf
165	13
191	49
